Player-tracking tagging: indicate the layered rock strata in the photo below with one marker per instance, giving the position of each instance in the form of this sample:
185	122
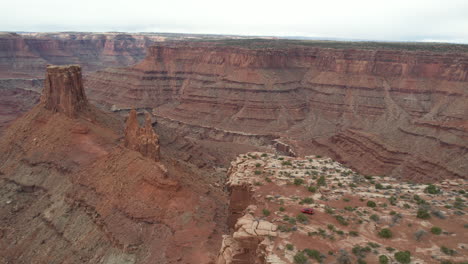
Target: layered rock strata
412	101
63	90
141	139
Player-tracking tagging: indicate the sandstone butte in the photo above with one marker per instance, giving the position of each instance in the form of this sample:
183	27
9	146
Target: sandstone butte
395	112
71	192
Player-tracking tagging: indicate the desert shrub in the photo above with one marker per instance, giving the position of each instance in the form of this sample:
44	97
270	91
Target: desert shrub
346	199
283	228
300	258
432	189
439	214
343	257
264	155
385	233
331	227
257	172
383	259
403	257
373	245
374	217
329	210
312	189
289	247
447	251
436	230
266	212
302	218
353	233
286	163
379	186
313	254
321	181
392	200
361	251
341	220
361	261
282	209
423	214
292	221
419	234
298	182
390	249
307	200
371	204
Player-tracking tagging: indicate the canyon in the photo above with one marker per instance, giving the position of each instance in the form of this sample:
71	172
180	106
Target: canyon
384	111
170	148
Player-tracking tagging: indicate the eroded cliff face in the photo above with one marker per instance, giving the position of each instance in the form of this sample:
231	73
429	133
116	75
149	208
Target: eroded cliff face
63	91
71	192
379	111
25	55
141	139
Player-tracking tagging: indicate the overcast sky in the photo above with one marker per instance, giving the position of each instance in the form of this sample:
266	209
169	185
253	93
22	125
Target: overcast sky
395	20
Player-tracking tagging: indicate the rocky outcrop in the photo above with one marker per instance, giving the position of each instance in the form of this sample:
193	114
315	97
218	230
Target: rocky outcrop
307	94
63	90
71	193
141	139
248	242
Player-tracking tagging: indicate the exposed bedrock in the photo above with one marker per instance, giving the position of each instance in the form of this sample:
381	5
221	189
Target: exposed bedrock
63	90
412	101
141	139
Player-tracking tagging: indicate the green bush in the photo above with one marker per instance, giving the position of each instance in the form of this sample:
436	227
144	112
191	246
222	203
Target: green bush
312	189
257	172
403	257
436	230
371	204
379	186
300	258
313	254
282	209
375	217
383	259
341	220
266	212
423	214
302	218
286	163
447	251
298	182
307	200
432	189
321	181
385	233
289	247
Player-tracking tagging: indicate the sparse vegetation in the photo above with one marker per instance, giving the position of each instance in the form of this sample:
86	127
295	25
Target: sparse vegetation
432	189
423	214
266	212
300	258
371	204
383	259
436	230
385	233
289	247
298	182
403	257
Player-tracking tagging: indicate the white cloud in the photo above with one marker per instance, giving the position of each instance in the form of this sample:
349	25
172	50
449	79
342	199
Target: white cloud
359	19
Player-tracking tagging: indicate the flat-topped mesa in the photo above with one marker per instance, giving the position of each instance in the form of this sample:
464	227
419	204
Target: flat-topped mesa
141	139
63	90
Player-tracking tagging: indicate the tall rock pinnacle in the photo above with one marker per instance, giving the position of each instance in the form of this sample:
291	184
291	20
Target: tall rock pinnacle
63	90
141	139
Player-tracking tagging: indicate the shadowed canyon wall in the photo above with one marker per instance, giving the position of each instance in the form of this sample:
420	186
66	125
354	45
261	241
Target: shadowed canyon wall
379	111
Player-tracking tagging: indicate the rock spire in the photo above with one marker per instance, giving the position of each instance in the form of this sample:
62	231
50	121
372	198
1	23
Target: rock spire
141	139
